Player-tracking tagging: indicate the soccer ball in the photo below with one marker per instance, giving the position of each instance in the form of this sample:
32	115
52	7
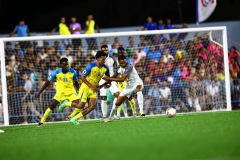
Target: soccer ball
171	112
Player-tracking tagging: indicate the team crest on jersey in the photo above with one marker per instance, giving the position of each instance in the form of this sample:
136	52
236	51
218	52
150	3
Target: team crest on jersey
205	3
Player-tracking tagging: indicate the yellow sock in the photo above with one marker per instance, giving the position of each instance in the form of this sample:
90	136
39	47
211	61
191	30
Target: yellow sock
132	104
46	114
75	111
119	108
68	104
79	115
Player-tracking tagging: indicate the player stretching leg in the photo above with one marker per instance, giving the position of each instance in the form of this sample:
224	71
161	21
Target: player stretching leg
112	65
134	83
89	88
65	90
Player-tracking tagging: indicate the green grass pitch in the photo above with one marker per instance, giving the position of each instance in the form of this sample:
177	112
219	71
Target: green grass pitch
210	136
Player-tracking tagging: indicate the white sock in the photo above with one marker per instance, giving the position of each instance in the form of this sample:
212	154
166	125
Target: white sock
114	109
140	101
124	109
118	114
104	108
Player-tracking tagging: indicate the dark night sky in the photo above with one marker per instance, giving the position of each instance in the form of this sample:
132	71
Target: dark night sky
42	16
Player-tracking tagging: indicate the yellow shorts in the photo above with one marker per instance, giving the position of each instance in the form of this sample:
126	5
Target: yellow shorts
121	85
60	98
85	92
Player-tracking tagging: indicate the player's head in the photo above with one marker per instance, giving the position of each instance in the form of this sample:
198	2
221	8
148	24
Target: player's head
105	49
100	57
64	64
121	51
122	61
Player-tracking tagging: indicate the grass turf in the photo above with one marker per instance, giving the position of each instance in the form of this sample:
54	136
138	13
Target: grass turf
214	136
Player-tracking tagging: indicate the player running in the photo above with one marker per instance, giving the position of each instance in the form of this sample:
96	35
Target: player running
66	82
134	84
112	65
89	88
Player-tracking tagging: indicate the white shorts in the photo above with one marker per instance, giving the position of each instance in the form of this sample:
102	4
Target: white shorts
129	89
113	88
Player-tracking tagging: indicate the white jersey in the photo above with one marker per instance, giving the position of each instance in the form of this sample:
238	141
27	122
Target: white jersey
112	64
133	76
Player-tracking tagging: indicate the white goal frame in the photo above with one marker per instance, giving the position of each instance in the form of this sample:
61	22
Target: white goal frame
111	34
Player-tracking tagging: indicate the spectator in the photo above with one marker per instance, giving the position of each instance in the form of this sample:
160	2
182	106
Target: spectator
75	28
165	96
153	54
130	49
180	51
167	56
90	27
63	30
150	25
27	99
182	36
68	56
21	29
160	25
138	55
42	54
36	48
105	42
153	101
170	26
18	50
233	54
9	50
58	48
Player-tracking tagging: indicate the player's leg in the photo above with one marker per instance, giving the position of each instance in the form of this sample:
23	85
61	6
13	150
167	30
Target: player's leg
104	106
132	105
114	89
89	96
91	106
140	98
124	109
48	111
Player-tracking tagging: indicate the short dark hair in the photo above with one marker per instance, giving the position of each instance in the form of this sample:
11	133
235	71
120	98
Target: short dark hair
121	57
104	46
64	59
100	54
121	50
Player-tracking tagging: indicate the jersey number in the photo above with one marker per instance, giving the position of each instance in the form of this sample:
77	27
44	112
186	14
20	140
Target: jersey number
65	80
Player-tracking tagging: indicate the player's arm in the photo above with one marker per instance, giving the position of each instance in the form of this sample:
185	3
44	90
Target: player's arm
51	78
75	81
85	73
46	84
117	79
124	76
76	85
107	83
84	80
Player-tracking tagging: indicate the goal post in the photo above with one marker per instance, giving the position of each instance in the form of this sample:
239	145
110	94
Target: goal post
189	48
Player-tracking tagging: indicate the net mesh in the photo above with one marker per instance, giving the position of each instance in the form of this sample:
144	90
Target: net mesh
183	70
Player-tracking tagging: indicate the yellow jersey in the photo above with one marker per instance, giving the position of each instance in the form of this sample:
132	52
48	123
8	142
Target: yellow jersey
94	74
91	26
64	81
63	29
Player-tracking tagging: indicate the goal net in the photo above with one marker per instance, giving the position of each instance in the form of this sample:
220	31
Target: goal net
182	68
